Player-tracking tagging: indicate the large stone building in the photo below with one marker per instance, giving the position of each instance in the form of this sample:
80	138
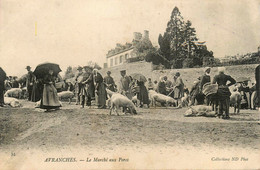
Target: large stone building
121	53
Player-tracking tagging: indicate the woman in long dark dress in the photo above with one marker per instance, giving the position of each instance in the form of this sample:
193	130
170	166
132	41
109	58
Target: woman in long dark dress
161	88
36	91
100	89
2	86
143	94
49	98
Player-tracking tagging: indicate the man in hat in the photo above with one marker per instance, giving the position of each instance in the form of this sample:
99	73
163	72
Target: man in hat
87	92
203	80
178	88
109	82
78	79
29	82
223	92
125	84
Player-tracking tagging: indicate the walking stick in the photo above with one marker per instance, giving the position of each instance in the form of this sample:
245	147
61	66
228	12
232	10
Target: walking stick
171	92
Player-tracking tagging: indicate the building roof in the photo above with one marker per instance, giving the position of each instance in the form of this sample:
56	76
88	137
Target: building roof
122	51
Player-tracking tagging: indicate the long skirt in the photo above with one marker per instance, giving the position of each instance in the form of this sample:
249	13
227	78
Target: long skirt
36	94
1	93
178	93
102	95
50	98
143	95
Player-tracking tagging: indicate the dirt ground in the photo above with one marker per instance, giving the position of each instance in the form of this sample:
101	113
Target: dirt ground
28	129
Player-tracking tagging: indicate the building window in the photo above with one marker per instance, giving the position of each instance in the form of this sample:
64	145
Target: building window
121	59
126	56
116	60
111	62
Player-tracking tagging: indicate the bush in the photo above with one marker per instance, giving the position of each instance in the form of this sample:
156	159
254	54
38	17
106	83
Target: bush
135	59
158	67
188	63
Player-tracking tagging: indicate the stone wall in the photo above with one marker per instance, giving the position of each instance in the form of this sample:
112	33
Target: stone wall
136	67
189	75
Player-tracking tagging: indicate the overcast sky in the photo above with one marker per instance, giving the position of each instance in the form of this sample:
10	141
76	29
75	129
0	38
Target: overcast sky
73	32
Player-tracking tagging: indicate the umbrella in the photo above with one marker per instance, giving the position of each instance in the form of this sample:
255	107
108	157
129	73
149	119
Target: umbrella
242	79
138	77
42	69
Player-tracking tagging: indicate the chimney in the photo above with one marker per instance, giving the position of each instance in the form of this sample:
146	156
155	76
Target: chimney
146	34
137	36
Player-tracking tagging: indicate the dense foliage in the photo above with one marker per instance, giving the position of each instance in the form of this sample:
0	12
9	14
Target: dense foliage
71	71
179	46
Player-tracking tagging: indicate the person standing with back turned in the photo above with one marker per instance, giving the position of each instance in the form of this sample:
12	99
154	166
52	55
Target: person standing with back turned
223	92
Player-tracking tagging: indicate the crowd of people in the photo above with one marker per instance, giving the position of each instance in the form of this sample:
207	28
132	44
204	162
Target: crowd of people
91	85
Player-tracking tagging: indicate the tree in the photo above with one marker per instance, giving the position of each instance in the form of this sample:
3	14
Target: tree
179	43
157	59
190	38
69	73
175	31
165	47
93	65
142	48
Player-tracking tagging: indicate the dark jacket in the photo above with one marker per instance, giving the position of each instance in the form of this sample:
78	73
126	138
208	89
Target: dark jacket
257	79
88	88
110	83
143	94
161	88
2	85
222	79
223	90
195	89
15	84
203	80
29	79
98	80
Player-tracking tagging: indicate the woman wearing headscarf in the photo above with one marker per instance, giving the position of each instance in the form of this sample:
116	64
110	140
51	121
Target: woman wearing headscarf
223	92
161	88
2	86
50	98
205	78
143	94
178	88
100	89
